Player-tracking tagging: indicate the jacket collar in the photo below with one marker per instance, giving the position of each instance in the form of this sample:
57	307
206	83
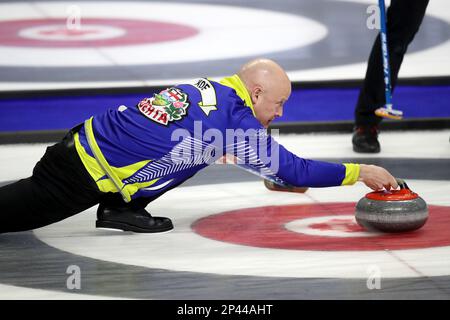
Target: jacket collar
236	83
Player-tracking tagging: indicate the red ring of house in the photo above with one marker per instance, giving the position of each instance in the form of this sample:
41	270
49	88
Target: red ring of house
264	227
137	32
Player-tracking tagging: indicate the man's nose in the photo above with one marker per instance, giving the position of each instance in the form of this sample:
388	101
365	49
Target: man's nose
279	112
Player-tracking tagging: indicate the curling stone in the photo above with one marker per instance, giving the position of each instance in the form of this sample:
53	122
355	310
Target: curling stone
392	211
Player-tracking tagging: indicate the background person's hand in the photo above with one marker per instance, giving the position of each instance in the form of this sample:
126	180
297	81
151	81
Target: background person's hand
376	177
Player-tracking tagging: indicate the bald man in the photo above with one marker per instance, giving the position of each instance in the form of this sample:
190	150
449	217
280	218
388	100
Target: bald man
126	158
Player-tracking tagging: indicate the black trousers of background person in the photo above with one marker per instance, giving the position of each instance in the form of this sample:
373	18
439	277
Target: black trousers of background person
59	187
403	21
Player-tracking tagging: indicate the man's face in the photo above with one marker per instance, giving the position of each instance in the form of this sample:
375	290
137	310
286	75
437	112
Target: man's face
268	103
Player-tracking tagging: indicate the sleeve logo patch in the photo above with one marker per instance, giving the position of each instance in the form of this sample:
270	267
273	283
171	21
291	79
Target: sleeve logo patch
208	93
164	107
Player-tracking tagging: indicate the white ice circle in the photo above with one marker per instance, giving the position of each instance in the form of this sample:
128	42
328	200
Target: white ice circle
224	32
184	250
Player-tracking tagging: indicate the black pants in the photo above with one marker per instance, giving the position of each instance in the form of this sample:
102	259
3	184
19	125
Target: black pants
403	21
60	187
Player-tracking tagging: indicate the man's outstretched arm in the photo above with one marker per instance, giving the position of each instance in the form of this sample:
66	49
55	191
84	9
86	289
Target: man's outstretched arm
274	162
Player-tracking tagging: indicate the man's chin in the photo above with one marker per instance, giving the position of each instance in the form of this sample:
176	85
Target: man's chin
265	124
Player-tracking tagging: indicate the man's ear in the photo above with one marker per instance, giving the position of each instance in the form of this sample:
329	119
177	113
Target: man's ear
256	92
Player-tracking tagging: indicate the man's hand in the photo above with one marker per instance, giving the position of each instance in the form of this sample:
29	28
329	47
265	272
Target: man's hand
376	177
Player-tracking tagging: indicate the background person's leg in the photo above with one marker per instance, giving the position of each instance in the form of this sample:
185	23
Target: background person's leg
403	21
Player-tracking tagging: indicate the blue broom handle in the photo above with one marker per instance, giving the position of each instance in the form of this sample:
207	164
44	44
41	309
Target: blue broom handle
385	53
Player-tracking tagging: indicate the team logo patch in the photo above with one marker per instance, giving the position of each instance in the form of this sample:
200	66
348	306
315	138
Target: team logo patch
164	107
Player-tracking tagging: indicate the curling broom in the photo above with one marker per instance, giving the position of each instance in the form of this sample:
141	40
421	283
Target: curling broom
386	111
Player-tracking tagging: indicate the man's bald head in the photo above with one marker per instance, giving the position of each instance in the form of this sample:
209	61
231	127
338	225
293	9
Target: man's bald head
269	87
263	72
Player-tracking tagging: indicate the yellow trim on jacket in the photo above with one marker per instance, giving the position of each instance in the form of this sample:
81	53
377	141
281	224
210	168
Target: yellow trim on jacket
97	170
236	83
351	173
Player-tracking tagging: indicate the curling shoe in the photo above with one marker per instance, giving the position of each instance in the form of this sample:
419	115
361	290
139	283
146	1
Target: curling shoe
128	219
365	139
